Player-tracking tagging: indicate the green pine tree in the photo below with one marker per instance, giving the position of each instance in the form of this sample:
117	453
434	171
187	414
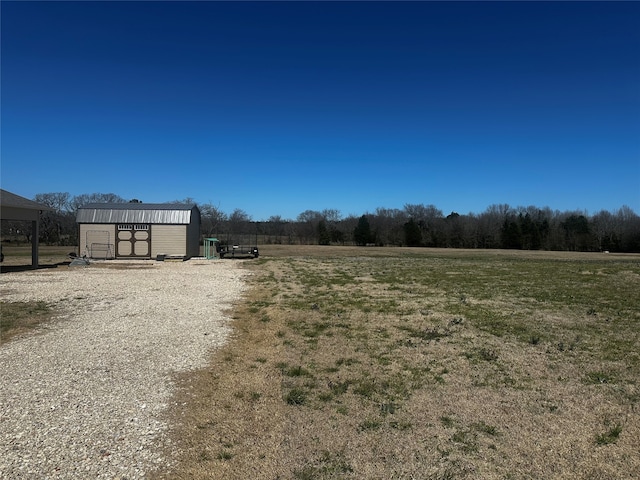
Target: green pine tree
362	233
412	234
324	237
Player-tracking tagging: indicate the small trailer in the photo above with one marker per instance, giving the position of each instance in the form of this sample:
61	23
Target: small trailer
238	246
239	251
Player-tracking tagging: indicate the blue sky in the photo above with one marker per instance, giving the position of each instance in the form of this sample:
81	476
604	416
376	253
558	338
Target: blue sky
278	108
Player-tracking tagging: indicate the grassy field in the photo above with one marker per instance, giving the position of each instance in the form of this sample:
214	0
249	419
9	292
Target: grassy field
20	256
417	363
381	363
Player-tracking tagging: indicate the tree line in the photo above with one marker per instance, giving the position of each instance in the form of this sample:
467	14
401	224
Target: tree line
416	225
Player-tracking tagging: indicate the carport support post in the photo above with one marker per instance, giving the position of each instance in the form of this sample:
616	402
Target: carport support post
35	238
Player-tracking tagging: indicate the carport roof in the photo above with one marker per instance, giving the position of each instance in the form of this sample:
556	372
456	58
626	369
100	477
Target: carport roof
8	199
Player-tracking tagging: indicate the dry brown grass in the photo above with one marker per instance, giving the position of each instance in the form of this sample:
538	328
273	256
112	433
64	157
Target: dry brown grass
354	362
415	363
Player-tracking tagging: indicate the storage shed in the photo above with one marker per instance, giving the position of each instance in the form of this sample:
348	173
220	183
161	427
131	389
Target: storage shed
139	230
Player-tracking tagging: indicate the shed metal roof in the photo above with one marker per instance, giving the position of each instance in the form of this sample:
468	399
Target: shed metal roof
156	213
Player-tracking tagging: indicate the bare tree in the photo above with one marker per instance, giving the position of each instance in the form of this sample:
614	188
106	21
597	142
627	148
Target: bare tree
498	226
86	198
239	222
431	222
58	225
331	218
184	201
59	201
389	225
274	230
628	226
212	219
308	226
490	224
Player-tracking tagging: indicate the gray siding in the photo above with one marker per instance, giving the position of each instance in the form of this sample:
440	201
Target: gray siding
193	236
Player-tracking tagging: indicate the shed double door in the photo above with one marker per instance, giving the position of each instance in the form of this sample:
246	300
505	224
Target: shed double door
133	240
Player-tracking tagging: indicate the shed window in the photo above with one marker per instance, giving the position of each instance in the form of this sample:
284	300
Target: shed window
125	226
143	226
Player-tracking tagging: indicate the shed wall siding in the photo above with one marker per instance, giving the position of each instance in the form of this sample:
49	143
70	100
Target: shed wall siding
97	234
169	240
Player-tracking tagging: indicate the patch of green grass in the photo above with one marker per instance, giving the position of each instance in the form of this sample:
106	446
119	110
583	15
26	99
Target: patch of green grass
482	427
534	339
482	354
600	377
297	371
610	436
418	372
256	306
447	421
367	387
382	359
255	396
369	425
204	456
400	425
466	440
309	329
20	317
329	465
426	334
296	396
224	455
325	396
389	408
339	388
347	361
499	323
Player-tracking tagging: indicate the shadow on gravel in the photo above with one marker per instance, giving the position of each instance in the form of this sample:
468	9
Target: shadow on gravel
24	268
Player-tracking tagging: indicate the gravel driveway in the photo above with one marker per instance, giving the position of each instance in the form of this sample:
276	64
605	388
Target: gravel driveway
84	397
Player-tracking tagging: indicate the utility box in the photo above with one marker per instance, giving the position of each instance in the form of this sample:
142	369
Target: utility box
211	248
